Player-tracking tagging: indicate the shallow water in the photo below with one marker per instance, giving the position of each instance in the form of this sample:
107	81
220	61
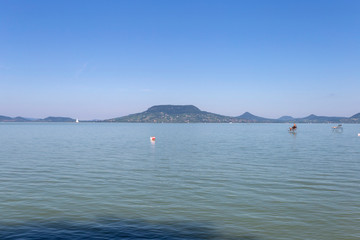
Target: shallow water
197	181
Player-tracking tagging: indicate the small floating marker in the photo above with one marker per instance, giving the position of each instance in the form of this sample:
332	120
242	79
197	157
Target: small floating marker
358	134
152	139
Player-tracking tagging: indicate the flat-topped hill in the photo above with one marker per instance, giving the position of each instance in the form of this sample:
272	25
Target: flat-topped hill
174	114
174	109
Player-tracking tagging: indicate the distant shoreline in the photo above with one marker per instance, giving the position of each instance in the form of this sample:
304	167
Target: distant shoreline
192	114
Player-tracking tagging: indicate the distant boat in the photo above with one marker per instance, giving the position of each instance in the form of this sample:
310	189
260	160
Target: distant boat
338	128
77	120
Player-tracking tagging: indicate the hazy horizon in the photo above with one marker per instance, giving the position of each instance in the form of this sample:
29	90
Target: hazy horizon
30	117
100	60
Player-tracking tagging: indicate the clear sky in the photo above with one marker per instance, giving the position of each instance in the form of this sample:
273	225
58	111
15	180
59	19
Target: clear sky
105	59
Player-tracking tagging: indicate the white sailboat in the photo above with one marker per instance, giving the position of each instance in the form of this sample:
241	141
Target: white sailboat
77	120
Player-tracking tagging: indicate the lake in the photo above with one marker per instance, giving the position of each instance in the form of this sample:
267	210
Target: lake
196	181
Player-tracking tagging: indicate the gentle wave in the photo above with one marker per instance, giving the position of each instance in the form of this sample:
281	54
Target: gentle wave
198	181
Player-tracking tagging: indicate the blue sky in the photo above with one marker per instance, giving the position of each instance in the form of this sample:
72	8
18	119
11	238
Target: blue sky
104	59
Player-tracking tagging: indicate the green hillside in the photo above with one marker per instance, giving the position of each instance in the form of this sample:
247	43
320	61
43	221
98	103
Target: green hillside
174	114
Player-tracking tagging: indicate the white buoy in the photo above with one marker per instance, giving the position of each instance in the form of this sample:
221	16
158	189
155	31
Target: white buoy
358	134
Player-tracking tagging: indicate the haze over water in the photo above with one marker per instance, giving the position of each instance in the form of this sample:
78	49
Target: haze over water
197	181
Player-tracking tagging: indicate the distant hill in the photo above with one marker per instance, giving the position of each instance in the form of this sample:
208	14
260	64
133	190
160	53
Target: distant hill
356	116
192	114
21	119
320	119
252	118
174	114
286	119
5	119
57	119
16	119
174	109
48	119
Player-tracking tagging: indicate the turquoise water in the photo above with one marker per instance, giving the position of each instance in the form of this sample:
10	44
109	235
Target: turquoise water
197	181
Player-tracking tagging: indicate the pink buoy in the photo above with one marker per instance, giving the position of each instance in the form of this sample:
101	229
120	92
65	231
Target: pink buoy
152	138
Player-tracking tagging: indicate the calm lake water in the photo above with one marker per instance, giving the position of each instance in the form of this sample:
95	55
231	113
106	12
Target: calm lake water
197	181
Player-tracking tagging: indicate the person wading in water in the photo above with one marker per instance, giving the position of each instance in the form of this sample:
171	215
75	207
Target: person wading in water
293	128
